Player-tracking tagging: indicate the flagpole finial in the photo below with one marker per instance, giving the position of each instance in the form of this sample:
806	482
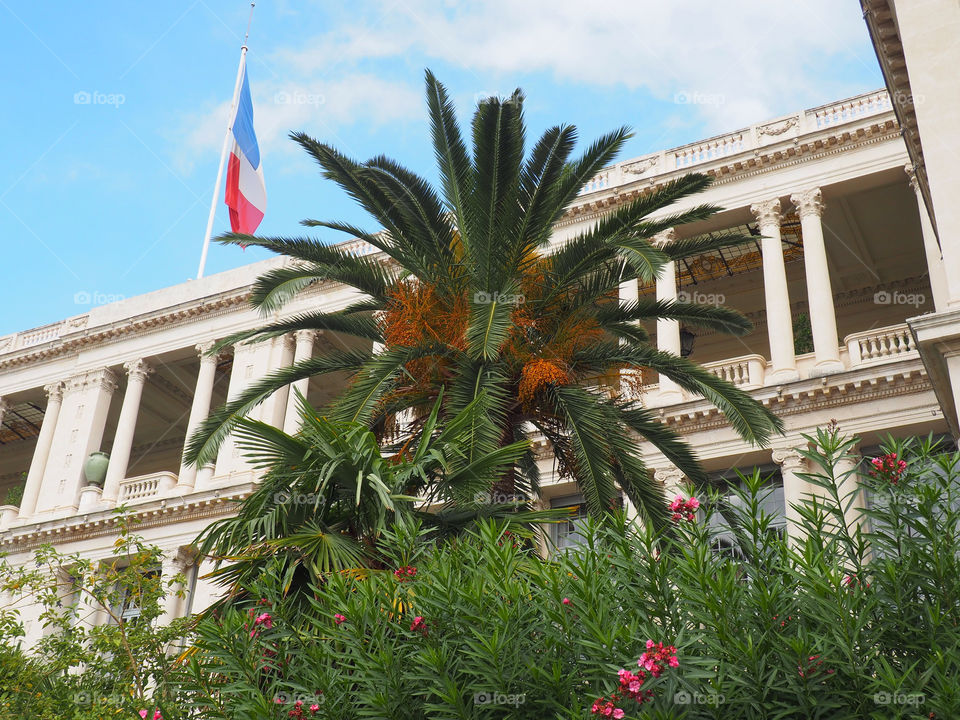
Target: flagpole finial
249	21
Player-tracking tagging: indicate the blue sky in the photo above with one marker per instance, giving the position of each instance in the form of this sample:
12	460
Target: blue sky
109	198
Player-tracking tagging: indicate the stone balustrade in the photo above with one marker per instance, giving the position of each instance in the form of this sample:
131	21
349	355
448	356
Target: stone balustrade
745	372
749	372
357	247
741	141
861	106
881	345
146	487
707	150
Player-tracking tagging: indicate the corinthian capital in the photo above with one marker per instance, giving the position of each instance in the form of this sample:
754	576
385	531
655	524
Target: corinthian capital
137	370
664	238
911	172
808	202
305	336
767	212
790	459
669	477
54	391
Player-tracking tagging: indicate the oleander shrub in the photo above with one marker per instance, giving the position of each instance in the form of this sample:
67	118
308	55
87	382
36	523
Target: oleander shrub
855	618
102	653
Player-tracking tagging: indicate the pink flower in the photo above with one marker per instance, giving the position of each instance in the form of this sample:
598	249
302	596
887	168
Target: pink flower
339	619
683	509
419	625
143	714
618	713
262	619
314	708
566	601
405	573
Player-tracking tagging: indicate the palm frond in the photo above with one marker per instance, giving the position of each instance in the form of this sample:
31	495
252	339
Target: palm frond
456	171
585	425
202	446
710	317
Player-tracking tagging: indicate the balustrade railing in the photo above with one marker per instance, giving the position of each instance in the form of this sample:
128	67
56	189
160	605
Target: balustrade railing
38	336
869	104
709	150
746	139
146	487
873	347
880	345
744	372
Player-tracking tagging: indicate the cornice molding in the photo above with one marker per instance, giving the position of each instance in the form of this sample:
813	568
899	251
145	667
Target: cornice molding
208	504
764	160
899	379
125	329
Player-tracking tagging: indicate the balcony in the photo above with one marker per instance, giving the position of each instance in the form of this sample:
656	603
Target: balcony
860	350
740	146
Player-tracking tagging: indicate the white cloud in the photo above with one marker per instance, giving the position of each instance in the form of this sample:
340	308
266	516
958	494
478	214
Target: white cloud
740	61
754	54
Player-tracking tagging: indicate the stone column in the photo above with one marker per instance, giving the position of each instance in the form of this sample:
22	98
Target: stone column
202	396
282	357
795	488
40	453
629	293
847	474
137	372
672	480
668	331
247	367
931	248
4	406
177	563
776	294
79	431
304	351
823	318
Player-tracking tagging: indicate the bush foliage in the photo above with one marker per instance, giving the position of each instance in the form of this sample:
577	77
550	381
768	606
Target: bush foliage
857	616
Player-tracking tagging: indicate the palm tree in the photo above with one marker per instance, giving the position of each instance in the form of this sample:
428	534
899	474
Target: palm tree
328	494
469	295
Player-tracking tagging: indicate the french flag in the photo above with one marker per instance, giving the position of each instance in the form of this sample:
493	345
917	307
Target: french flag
246	194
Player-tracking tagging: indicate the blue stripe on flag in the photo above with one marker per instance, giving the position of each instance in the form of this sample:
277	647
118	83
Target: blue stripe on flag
243	124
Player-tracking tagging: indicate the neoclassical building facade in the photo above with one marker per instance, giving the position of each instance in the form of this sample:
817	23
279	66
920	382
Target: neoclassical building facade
845	255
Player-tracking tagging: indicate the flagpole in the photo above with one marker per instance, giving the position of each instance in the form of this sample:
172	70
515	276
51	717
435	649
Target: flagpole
226	147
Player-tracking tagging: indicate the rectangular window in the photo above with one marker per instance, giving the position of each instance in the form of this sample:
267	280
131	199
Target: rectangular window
127	607
568	533
772	505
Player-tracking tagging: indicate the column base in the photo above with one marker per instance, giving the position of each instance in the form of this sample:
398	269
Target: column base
669	397
90	498
782	375
827	367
